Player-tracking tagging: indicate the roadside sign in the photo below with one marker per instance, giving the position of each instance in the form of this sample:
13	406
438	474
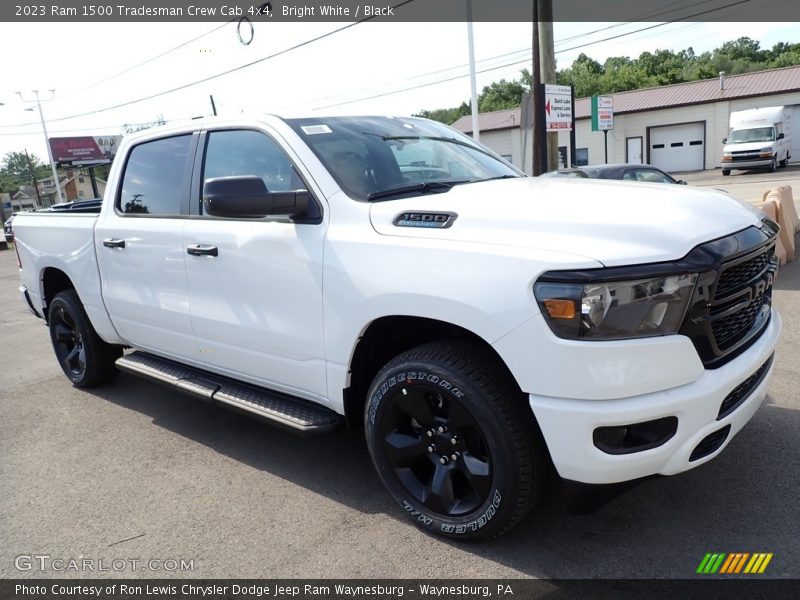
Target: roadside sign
602	113
84	150
557	107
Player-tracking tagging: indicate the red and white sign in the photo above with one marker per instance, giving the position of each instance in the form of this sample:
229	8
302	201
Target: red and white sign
558	107
86	150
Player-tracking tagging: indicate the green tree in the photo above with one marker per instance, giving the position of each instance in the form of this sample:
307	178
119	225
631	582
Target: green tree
621	73
20	168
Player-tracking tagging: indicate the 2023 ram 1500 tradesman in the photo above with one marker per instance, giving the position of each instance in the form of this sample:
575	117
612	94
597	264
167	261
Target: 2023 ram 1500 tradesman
392	272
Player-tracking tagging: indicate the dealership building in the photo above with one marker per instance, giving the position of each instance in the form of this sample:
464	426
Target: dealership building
676	127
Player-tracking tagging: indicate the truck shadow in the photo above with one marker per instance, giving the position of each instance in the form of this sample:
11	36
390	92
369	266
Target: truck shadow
744	500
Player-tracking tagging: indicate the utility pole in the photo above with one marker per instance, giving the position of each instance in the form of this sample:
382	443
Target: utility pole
547	63
47	141
537	120
476	130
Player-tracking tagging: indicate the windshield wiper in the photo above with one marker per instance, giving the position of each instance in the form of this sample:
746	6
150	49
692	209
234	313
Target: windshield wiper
498	177
428	187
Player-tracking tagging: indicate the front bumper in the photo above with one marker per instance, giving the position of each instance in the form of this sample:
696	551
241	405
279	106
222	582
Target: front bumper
568	424
747	164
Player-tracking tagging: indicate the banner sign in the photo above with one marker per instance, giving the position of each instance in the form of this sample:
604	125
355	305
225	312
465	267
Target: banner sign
84	151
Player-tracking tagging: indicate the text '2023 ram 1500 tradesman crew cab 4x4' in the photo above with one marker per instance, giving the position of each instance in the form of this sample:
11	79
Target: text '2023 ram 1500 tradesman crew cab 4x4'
391	272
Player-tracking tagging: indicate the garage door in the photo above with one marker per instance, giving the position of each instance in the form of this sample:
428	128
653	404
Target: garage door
678	147
794	134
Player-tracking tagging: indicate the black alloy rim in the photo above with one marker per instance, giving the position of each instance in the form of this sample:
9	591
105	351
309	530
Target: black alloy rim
68	342
436	450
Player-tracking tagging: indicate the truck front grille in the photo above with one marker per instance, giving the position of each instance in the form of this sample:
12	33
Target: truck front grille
732	302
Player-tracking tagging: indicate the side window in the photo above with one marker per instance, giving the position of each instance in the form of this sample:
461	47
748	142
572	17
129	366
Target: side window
154	181
629	175
651	176
238	153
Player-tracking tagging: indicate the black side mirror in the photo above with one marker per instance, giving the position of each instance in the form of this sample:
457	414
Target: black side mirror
781	136
247	197
724	140
681	181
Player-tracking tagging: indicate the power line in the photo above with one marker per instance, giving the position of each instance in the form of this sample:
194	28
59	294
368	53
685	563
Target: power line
217	75
145	62
511	64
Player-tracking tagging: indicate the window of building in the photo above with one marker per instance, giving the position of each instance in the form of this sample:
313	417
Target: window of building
154	179
81	179
581	157
80	193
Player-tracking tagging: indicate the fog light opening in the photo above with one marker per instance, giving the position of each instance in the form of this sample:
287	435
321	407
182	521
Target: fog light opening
635	437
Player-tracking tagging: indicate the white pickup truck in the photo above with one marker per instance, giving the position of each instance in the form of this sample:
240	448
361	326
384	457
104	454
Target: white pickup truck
392	273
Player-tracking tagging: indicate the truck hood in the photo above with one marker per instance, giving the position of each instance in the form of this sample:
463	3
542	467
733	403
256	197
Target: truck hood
614	223
747	146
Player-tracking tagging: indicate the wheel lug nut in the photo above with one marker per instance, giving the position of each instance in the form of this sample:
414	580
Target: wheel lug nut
444	460
454	440
454	456
431	432
431	448
442	429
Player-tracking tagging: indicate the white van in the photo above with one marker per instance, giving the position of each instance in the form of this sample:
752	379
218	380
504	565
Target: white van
759	137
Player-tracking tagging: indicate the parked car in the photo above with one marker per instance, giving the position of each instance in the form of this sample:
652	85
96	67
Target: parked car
7	230
629	172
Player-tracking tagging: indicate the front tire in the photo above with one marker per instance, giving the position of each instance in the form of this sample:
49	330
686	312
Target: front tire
726	172
773	166
454	441
86	360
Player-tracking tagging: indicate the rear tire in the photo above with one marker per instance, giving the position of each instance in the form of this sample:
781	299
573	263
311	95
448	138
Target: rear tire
86	360
454	441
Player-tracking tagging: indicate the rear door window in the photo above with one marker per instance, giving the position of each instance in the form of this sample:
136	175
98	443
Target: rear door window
156	177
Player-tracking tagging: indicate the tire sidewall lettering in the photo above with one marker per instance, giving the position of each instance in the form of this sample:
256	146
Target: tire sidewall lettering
408	378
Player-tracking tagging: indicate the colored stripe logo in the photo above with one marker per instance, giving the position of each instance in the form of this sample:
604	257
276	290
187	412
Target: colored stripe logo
734	563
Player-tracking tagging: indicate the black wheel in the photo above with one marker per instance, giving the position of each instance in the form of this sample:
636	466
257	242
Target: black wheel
726	172
454	441
85	359
784	162
773	166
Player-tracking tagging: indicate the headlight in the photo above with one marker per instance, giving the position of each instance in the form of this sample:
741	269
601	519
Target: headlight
616	310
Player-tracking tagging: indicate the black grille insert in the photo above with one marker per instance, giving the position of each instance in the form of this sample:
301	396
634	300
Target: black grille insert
742	391
743	273
727	330
710	443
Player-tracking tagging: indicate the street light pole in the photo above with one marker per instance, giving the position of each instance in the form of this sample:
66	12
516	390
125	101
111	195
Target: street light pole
47	143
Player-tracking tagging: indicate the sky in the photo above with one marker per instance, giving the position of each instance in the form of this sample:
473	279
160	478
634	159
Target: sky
370	68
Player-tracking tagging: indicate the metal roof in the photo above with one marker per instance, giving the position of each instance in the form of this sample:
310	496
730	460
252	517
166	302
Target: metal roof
746	85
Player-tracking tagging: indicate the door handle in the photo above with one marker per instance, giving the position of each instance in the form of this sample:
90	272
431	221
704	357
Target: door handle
113	243
201	250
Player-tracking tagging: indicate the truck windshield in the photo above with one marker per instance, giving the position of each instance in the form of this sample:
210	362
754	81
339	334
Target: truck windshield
757	134
375	158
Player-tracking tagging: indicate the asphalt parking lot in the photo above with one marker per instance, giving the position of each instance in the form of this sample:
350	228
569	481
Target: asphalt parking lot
133	471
